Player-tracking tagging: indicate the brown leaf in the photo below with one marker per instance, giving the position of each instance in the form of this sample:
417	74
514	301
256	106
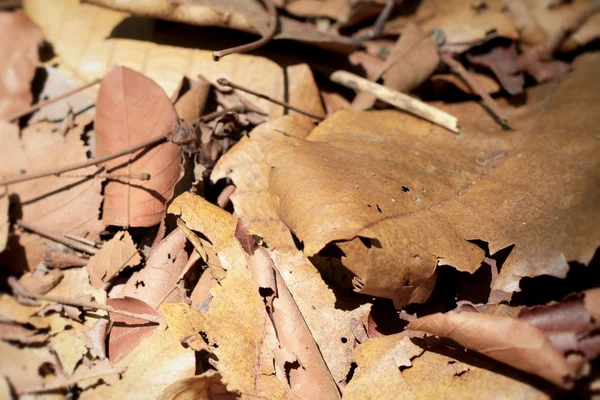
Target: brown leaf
12	332
402	210
504	63
19	58
128	332
190	105
23	370
40	284
344	11
69	347
161	273
116	254
487	83
55	204
131	108
507	340
4	221
411	62
155	364
207	386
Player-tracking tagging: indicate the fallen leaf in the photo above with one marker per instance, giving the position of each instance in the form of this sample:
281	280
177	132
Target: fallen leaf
190	105
23	370
487	83
507	340
130	109
95	338
344	11
11	332
4	221
207	386
69	347
40	284
19	59
423	213
114	256
243	165
157	280
411	62
503	61
55	204
155	364
128	332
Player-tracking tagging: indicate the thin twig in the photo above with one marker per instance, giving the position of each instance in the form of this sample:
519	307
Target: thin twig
272	12
52	386
377	28
225	82
59	239
80	239
142	176
397	99
44	103
490	103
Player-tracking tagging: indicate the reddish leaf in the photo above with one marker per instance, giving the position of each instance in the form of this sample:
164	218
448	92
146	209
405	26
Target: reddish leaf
131	109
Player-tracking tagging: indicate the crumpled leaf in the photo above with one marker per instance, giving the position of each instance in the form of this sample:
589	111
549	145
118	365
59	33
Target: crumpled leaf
507	340
128	332
19	58
412	60
405	202
55	204
207	386
243	165
155	364
114	256
503	61
130	109
157	280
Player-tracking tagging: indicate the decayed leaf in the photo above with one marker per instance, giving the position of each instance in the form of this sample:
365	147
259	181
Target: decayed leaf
413	59
243	165
91	57
40	284
4	221
55	204
17	333
510	341
504	63
161	273
69	347
19	58
406	202
116	254
131	109
23	370
157	362
344	11
128	332
207	386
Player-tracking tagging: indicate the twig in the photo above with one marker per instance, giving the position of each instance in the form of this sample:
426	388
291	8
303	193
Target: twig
42	104
377	28
143	176
397	99
225	82
476	87
59	239
73	381
80	239
272	12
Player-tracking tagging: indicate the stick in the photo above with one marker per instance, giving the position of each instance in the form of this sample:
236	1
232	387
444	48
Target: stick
383	17
42	104
397	99
80	239
143	176
59	239
64	384
225	82
272	11
490	103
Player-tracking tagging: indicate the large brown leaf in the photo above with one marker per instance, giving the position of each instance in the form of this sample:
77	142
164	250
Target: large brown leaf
131	109
19	57
419	200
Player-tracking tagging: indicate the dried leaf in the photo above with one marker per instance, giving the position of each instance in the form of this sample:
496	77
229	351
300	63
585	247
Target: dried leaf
12	332
55	204
411	62
69	347
155	364
403	210
190	105
507	340
131	109
19	58
116	254
128	332
207	386
95	338
4	221
40	284
162	271
23	370
344	11
504	63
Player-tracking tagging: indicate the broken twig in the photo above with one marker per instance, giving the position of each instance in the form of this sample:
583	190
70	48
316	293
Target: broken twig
59	239
397	99
490	103
225	82
272	11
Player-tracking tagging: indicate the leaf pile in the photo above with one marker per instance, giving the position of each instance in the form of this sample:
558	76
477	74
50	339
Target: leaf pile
297	220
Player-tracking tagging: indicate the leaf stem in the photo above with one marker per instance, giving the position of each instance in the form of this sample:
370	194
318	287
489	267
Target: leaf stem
272	12
44	103
73	381
225	82
490	103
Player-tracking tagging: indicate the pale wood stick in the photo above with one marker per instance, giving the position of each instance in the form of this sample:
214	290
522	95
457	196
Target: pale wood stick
397	99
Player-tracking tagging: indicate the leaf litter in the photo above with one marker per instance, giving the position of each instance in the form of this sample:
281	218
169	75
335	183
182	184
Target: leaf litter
168	234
